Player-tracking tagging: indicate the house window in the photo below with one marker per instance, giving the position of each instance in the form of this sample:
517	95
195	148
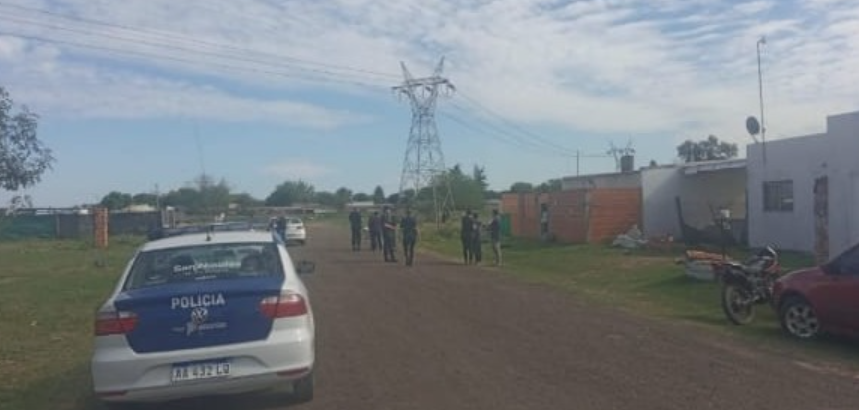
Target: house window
778	196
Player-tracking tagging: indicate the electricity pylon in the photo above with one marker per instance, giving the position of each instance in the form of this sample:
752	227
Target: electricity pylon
423	166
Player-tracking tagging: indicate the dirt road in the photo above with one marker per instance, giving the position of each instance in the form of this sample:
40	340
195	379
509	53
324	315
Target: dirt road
444	336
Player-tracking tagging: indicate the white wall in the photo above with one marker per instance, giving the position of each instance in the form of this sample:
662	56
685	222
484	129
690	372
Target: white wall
697	192
834	154
843	171
800	160
659	187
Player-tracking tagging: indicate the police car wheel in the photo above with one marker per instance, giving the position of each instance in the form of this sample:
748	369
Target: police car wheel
302	389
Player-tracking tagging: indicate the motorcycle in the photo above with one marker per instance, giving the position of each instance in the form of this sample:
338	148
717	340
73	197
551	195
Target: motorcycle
745	285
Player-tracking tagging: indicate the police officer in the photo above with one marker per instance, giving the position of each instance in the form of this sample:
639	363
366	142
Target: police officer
409	228
495	236
476	237
355	224
467	225
280	227
374	225
389	235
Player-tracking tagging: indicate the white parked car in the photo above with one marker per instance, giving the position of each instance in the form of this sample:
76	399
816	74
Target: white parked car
203	314
296	232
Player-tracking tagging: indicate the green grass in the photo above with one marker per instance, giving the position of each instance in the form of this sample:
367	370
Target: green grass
640	282
49	291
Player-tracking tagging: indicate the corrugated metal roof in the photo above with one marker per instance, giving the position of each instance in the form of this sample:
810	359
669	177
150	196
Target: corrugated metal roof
711	166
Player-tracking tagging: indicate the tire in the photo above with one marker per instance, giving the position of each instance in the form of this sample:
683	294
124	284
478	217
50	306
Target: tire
738	315
798	319
302	389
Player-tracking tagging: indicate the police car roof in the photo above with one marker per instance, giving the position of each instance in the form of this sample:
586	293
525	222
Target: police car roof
201	239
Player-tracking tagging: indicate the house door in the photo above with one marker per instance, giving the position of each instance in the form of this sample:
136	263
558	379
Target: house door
821	219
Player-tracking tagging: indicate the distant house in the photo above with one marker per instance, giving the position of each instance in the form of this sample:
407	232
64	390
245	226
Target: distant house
804	191
138	208
362	205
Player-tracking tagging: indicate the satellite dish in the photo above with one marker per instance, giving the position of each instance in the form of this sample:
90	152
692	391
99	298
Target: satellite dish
753	126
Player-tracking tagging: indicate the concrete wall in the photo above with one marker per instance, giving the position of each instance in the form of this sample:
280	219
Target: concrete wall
843	172
800	160
833	154
698	192
659	187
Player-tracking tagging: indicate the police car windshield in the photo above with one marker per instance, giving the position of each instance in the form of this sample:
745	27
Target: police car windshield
204	262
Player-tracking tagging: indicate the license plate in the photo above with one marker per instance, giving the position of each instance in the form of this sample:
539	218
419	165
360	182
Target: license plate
200	371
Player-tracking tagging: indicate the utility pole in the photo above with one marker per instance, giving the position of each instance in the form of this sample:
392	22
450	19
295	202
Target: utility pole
762	41
424	165
578	158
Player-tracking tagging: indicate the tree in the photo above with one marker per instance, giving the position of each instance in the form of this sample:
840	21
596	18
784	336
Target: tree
378	195
23	157
290	193
212	197
710	149
552	185
344	196
491	194
521	187
479	176
468	190
361	197
116	200
245	200
202	196
326	198
145	198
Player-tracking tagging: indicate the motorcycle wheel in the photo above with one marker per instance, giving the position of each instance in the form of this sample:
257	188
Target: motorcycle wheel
736	310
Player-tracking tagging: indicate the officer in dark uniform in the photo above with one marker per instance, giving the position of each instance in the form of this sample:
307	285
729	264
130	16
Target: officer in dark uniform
467	225
389	235
374	225
409	228
355	224
280	227
476	238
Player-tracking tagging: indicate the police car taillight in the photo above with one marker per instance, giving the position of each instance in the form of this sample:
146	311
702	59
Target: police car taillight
114	323
288	304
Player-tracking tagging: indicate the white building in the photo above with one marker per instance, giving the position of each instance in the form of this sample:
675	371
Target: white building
702	189
803	192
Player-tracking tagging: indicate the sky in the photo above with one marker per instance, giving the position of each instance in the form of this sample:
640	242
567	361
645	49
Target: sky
144	95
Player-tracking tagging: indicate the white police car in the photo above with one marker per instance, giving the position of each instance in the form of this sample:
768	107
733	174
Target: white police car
203	314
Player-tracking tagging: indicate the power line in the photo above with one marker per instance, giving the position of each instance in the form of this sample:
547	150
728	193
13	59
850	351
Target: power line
530	143
512	139
518	139
512	125
172	37
138	41
191	61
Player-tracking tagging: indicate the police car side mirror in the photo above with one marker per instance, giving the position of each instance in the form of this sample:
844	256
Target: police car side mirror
305	267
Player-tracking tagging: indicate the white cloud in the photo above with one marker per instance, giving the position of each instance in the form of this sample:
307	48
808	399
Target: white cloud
591	66
297	168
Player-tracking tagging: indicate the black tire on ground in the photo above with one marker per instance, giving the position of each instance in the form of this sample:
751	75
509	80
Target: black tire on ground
302	389
736	315
798	318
